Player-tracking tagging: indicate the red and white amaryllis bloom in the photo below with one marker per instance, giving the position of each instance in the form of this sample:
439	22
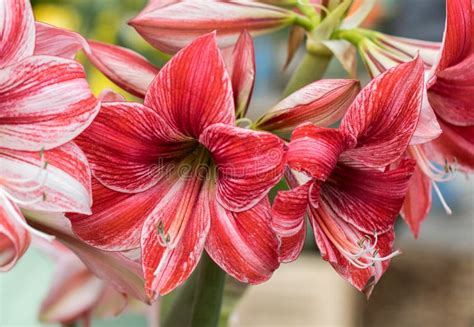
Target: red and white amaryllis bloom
171	25
176	176
448	105
45	102
340	180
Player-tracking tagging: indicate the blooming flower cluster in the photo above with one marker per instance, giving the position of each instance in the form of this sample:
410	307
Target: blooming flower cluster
140	190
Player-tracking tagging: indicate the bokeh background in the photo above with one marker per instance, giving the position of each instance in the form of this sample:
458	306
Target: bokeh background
431	284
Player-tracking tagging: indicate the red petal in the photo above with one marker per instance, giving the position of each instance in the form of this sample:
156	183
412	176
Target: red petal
193	90
452	87
428	127
243	244
172	25
457	35
17	31
173	236
456	144
14	239
323	103
117	218
452	96
367	198
362	279
248	163
63	186
385	114
288	212
57	42
109	95
316	150
243	73
417	202
44	102
129	146
128	69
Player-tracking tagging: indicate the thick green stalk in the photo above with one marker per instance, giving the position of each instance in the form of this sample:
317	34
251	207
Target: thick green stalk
198	303
311	68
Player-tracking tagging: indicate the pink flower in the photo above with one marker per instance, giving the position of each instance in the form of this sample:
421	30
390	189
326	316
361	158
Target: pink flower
76	294
340	181
45	102
176	176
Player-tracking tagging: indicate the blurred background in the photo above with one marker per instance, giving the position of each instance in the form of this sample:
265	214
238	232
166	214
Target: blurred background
431	284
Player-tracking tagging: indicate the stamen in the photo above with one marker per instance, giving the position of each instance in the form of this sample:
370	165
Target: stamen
41	167
441	199
30	188
437	174
361	253
14	213
162	262
164	239
38	199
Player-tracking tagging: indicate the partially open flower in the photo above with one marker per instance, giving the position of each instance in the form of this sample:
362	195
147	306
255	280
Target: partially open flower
170	26
340	181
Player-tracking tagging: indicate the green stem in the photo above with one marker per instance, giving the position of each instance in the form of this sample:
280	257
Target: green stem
355	35
199	301
311	68
304	22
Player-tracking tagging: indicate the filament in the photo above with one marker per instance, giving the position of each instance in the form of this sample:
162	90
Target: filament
441	199
14	213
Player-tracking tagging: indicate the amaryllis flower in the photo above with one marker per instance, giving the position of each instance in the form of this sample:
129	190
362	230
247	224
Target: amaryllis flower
448	105
450	94
45	102
176	176
171	25
340	181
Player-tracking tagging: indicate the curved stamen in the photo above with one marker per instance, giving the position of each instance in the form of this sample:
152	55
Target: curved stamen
30	188
441	199
14	213
432	171
22	202
41	168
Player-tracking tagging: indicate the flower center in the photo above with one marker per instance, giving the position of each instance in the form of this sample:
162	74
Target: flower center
359	250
